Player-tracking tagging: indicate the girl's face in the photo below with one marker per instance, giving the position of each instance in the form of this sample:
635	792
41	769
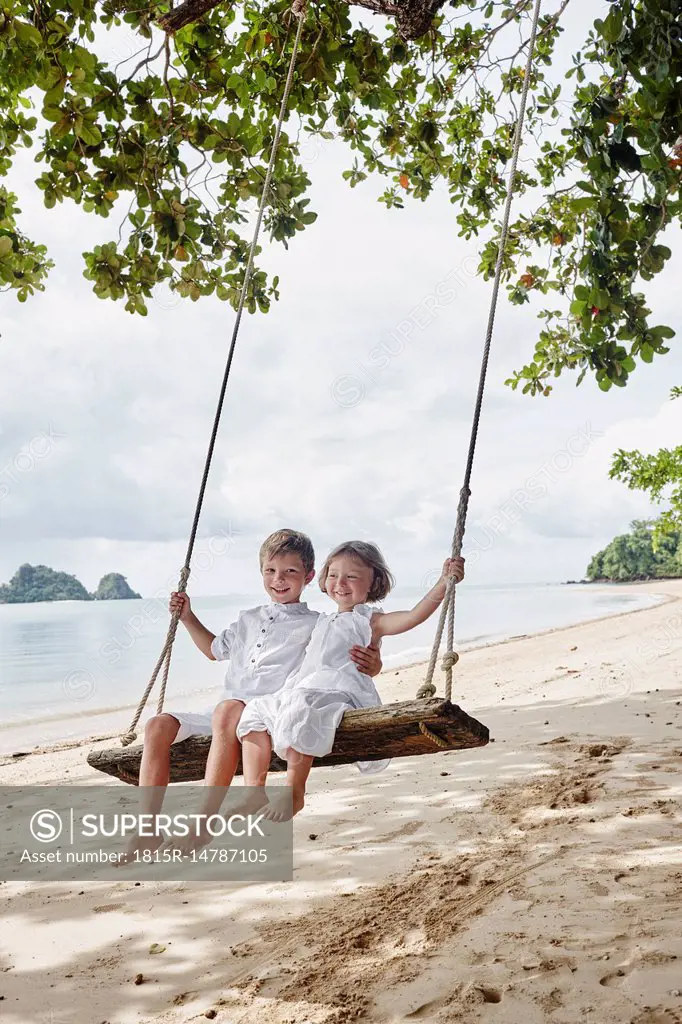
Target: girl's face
348	581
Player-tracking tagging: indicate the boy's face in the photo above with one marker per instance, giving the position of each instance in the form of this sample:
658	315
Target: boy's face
284	578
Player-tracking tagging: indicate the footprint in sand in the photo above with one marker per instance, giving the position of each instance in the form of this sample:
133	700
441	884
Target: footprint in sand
425	1010
490	995
268	982
614	979
622	875
581	794
554	1000
184	997
657	1016
667	807
408	829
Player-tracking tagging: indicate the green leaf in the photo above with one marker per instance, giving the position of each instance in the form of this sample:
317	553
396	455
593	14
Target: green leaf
89	133
599	298
581	205
612	26
27	34
662	332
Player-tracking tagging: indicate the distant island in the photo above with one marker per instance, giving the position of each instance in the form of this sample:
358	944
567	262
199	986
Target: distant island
32	583
114	587
638	555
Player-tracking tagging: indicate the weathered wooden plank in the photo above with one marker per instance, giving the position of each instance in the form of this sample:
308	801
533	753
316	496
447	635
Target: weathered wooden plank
370	734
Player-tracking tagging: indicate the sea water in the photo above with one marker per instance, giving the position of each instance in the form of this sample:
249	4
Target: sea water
73	669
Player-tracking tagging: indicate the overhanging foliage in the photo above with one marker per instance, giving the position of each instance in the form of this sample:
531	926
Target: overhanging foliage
173	139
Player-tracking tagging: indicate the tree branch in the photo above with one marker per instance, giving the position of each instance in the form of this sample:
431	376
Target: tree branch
186	13
413	17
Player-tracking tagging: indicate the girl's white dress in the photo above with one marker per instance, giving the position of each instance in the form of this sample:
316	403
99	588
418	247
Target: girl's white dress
306	712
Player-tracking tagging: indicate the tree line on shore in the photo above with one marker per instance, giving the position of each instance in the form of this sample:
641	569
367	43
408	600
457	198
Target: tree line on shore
638	555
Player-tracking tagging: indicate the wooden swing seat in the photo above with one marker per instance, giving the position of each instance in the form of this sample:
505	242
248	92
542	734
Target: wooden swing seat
403	729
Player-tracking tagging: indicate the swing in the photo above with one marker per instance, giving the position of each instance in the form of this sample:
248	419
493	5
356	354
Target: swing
403	729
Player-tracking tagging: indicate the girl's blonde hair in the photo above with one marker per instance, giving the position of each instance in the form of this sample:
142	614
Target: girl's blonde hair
383	581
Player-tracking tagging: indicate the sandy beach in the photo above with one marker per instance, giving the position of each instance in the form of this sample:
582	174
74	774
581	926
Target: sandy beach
536	879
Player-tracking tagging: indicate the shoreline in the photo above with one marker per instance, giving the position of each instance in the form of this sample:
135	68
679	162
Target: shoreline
411	667
514	583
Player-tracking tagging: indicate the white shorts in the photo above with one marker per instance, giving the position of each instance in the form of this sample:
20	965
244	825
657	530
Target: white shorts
302	719
193	723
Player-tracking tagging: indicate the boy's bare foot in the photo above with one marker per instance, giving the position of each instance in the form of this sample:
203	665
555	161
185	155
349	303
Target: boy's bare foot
188	844
284	806
137	847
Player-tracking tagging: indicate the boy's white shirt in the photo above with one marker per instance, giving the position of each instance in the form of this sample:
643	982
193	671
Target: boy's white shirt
263	648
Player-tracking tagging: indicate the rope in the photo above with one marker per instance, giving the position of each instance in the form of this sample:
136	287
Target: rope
432	736
427	689
298	10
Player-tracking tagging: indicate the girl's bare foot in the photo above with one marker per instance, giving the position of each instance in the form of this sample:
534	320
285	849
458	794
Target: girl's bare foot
255	799
284	805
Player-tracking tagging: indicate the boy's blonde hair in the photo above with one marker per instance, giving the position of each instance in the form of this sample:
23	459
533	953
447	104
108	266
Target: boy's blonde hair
288	542
383	581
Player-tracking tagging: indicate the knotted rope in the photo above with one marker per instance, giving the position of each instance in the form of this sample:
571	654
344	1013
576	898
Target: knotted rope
298	10
450	658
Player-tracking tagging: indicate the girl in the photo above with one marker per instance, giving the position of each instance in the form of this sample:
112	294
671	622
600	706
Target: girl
301	720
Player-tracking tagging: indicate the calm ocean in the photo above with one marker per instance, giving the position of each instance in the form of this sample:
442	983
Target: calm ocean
73	669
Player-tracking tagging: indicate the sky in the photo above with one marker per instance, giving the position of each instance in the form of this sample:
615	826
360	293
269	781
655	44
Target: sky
348	411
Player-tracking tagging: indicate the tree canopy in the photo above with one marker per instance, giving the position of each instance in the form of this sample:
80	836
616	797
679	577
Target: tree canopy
172	139
634	556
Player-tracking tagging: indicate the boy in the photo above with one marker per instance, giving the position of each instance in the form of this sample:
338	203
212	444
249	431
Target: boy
263	648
